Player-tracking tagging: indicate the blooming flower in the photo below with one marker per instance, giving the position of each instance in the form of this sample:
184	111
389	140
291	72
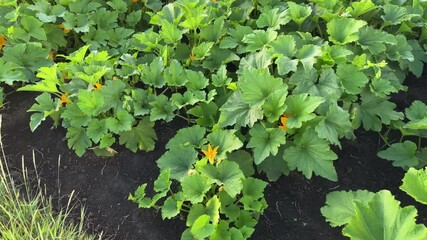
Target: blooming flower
64	99
134	1
211	153
66	30
98	86
2	41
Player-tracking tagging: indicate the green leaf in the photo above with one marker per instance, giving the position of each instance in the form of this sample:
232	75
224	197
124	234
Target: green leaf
112	92
179	160
359	8
311	154
286	65
196	211
253	188
201	228
78	140
174	74
255	91
417	111
11	72
91	103
265	141
49	82
202	50
273	18
352	79
141	137
152	74
258	39
207	113
44	106
143	202
382	87
308	82
30	27
394	14
344	30
172	205
375	111
195	80
307	55
414	183
162	109
236	112
190	136
402	154
227	174
245	161
220	78
195	187
298	12
121	122
274	106
214	32
107	140
340	206
300	109
383	218
334	125
170	32
284	45
74	116
212	209
274	166
96	129
375	40
226	141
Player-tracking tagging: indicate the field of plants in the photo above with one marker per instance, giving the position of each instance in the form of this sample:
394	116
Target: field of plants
221	119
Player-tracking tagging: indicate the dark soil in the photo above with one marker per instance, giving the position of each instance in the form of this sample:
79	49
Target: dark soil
103	184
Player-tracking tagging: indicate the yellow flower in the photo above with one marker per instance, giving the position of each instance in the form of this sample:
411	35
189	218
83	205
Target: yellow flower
66	30
214	1
284	121
134	1
98	86
64	99
2	41
211	153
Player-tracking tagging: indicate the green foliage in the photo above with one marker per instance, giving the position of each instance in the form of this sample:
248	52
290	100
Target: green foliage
270	84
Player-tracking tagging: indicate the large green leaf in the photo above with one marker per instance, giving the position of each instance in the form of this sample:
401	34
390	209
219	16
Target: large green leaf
152	74
162	109
141	137
402	154
43	107
340	205
382	218
179	160
190	136
195	187
91	103
201	228
334	124
255	91
273	18
274	166
265	141
352	79
299	12
258	39
227	174
311	154
78	140
415	184
226	141
375	40
238	113
121	122
300	109
344	30
48	83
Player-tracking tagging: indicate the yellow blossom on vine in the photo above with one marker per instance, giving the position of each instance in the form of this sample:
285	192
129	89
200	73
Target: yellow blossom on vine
2	41
211	153
214	1
66	30
134	1
64	99
98	86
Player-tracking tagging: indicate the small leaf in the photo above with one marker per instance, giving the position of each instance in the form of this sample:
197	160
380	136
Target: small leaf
300	109
226	140
78	140
265	141
201	228
191	136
